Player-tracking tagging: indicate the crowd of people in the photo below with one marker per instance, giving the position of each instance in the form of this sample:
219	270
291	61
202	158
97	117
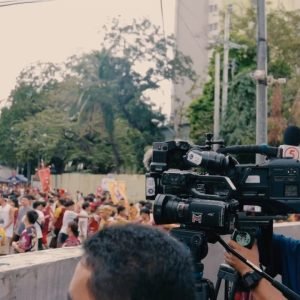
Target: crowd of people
31	220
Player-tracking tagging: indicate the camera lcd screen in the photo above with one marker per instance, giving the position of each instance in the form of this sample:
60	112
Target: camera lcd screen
291	190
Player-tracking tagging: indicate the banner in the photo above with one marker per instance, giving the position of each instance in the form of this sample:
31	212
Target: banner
44	174
117	190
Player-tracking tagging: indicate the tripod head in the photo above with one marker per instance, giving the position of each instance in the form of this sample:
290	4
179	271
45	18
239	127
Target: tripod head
196	241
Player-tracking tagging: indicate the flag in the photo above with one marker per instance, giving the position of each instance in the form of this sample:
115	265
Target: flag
44	174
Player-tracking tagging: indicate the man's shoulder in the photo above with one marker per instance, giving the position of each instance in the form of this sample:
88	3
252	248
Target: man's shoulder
40	213
286	242
84	213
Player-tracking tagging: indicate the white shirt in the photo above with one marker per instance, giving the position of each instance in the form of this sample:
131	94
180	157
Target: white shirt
69	216
4	215
83	223
41	221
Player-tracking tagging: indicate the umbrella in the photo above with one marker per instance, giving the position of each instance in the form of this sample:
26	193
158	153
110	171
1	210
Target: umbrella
17	179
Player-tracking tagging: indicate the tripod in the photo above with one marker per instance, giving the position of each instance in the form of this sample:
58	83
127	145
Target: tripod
231	280
196	241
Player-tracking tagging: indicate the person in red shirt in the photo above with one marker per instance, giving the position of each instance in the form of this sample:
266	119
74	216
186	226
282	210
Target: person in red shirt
73	234
93	224
48	213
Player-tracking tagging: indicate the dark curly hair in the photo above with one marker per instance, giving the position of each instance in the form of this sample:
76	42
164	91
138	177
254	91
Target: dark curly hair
74	228
134	262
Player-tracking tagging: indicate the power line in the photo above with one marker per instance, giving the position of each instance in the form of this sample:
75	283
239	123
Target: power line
20	1
11	3
189	10
203	32
190	31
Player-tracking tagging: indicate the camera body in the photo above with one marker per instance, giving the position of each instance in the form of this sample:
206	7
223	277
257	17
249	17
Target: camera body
207	190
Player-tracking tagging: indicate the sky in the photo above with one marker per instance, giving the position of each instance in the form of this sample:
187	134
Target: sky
53	31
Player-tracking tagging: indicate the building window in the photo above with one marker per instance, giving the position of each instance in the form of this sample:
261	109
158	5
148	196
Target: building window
212	27
213	8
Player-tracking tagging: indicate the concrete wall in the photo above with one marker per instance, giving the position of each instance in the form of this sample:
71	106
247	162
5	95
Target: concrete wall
42	275
88	183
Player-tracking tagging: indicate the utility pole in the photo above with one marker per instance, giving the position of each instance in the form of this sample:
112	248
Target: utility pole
225	60
217	97
261	79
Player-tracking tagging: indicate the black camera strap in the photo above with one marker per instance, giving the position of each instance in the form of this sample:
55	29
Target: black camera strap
265	242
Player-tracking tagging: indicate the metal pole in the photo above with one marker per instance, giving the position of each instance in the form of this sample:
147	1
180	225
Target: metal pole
261	83
217	97
225	60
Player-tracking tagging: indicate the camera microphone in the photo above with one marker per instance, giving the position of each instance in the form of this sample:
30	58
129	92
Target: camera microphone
210	160
292	136
255	149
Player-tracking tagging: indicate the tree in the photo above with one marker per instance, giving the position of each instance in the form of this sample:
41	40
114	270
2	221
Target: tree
240	129
114	89
100	115
25	102
276	122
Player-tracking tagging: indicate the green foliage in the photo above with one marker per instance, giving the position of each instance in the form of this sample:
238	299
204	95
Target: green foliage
93	110
39	136
201	114
240	129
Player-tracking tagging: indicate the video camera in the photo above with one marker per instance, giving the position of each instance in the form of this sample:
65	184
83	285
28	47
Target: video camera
208	190
209	194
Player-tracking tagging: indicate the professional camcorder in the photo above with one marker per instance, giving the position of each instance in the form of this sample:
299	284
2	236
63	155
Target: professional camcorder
210	194
198	187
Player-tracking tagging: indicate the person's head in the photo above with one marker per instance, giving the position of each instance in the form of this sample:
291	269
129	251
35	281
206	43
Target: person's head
31	217
133	262
133	211
142	203
88	199
105	211
38	205
13	202
73	229
61	202
93	207
145	214
44	204
69	205
86	206
122	211
27	200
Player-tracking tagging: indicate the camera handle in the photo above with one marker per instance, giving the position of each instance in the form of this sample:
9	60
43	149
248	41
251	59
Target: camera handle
287	292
